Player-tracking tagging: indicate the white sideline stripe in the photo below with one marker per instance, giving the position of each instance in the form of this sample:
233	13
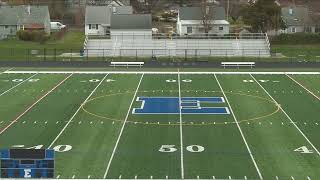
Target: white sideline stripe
123	125
64	128
17	85
287	116
181	134
303	87
154	72
236	121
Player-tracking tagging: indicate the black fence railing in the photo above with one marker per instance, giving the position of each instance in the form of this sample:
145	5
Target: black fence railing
18	54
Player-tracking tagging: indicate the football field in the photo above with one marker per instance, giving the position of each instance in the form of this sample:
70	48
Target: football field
166	125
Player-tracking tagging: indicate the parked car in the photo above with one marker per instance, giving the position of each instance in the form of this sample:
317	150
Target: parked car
56	26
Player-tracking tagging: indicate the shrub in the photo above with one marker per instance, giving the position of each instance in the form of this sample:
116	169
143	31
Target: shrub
297	38
36	36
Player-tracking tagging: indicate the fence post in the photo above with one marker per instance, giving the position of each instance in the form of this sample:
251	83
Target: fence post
44	54
71	54
185	55
87	57
136	54
55	54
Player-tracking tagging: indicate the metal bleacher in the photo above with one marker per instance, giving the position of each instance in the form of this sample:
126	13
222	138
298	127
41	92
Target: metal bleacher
251	45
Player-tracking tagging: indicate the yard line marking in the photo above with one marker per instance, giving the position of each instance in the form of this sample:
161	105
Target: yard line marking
17	85
287	116
123	125
35	103
236	121
181	134
64	128
303	87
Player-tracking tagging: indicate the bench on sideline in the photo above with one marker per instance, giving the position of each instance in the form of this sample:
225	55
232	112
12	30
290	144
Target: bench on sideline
238	64
127	64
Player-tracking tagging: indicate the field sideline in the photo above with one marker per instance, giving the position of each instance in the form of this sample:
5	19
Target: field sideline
166	125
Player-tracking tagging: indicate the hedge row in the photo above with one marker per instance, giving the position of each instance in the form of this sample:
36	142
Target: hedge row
36	36
297	38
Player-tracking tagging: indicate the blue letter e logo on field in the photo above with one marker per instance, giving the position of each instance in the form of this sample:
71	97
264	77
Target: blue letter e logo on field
171	105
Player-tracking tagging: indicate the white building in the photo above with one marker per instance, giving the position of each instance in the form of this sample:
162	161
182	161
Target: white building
98	18
190	21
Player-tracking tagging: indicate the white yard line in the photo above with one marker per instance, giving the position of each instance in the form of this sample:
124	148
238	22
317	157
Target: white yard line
17	85
122	128
70	120
154	72
242	135
64	128
287	115
181	134
303	87
35	103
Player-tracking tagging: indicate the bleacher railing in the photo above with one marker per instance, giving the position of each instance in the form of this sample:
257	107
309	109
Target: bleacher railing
131	36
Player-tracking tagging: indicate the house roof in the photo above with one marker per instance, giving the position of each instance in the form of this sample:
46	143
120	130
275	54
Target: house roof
131	21
196	13
19	15
298	15
98	15
102	14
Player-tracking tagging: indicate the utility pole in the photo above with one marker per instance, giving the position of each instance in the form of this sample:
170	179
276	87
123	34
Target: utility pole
228	6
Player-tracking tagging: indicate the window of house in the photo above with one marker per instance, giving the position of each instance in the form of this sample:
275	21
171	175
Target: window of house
293	29
308	29
189	30
220	28
6	27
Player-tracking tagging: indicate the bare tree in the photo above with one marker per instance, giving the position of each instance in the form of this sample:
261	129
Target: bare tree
207	15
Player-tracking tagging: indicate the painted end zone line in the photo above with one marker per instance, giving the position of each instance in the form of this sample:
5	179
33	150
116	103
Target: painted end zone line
64	128
287	116
240	130
123	125
30	107
303	86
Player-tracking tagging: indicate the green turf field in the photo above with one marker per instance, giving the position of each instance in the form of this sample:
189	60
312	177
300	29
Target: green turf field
271	130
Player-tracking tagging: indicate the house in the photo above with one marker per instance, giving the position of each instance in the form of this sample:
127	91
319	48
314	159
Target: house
297	19
190	21
97	18
25	17
131	26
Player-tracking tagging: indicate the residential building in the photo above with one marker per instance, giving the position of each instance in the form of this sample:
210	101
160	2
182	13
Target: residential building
190	21
97	18
131	26
297	19
14	18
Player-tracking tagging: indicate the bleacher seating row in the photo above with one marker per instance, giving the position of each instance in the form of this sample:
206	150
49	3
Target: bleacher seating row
178	47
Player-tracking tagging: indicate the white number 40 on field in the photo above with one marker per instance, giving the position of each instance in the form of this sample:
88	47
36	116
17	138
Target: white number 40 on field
171	148
57	148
